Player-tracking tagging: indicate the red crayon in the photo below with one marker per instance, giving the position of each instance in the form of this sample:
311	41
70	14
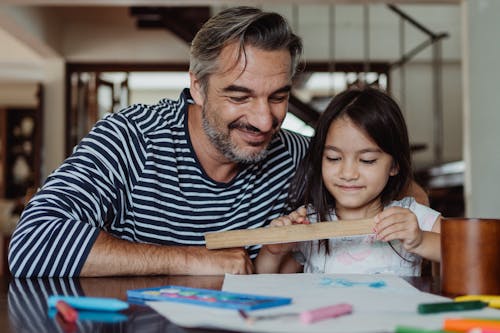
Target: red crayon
69	314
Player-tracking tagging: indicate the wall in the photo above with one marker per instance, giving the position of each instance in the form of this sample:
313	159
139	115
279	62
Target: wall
417	106
481	107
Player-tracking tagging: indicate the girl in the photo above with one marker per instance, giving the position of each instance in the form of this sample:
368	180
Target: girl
357	164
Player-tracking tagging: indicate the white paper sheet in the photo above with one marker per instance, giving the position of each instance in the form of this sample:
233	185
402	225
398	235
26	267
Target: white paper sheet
380	303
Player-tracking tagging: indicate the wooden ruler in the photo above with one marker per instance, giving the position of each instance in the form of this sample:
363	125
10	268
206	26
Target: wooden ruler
287	234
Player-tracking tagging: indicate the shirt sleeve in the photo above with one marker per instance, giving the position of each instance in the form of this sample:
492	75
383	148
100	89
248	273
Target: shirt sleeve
297	145
86	194
426	216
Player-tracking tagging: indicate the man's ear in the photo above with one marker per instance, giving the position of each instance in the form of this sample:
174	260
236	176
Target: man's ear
196	89
394	169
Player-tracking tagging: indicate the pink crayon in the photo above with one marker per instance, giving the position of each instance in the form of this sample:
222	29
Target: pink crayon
326	312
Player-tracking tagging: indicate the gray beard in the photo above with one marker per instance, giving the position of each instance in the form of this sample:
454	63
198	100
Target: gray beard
222	143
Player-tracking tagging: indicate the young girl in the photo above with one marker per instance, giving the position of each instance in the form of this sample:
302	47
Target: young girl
357	164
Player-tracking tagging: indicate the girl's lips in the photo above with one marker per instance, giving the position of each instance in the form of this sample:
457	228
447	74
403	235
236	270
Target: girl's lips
349	187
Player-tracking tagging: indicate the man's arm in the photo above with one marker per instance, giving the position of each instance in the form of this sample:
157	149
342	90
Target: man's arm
416	191
111	256
63	230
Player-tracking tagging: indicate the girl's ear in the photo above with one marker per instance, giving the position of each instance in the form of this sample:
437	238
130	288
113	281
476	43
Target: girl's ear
394	169
196	89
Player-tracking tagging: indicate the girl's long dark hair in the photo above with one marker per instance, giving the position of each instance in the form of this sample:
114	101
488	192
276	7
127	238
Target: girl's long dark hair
379	116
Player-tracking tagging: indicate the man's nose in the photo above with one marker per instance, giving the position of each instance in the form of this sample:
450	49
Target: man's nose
261	116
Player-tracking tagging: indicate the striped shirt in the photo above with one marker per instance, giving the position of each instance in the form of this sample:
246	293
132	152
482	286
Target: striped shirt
136	176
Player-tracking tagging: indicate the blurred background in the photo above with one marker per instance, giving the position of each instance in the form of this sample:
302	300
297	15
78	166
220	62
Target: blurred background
66	64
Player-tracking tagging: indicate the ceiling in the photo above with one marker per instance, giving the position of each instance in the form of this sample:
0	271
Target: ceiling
209	2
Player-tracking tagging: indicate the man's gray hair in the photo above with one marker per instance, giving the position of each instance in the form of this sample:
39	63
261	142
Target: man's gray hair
248	26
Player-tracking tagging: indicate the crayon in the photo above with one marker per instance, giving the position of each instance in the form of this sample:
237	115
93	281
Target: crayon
326	312
450	306
89	303
464	325
411	329
306	317
483	330
492	300
66	311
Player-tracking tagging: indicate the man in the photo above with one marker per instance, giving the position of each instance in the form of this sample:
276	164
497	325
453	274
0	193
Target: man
142	188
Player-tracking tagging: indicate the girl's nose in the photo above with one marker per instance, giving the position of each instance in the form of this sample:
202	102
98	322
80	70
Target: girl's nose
349	171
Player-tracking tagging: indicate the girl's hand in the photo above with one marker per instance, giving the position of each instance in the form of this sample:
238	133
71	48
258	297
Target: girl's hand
296	217
399	223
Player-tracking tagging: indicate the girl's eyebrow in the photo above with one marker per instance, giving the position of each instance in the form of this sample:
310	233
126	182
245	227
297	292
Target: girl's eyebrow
365	150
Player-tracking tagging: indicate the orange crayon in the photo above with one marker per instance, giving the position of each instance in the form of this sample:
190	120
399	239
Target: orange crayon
464	325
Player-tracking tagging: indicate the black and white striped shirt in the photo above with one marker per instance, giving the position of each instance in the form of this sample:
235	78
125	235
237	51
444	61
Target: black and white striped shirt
135	175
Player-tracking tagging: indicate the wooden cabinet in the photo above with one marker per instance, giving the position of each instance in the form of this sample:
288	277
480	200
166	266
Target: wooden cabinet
3	138
20	151
20	148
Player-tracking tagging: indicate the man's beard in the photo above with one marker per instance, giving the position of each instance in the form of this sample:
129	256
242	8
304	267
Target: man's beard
222	141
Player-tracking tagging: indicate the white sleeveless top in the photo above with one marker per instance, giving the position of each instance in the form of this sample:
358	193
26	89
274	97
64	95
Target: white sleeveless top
365	254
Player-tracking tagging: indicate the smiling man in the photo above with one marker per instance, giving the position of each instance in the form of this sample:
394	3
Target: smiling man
142	188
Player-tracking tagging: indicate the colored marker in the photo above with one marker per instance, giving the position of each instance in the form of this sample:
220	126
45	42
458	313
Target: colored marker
411	329
66	311
326	312
464	325
89	303
425	308
492	300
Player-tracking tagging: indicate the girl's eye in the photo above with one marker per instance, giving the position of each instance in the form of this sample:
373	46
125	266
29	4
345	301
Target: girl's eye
333	159
369	161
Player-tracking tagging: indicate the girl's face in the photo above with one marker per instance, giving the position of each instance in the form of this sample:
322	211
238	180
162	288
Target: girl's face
354	170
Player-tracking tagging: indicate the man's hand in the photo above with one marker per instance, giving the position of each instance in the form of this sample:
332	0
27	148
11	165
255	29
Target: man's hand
218	262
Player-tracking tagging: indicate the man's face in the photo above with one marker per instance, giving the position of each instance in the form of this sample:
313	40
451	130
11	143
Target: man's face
243	107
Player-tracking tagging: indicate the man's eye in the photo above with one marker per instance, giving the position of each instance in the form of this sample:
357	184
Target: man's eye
278	99
238	99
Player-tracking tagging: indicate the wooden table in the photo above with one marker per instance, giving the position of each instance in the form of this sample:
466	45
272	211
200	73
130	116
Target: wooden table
23	302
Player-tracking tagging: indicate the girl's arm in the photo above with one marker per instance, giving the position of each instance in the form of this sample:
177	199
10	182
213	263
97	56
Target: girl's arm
269	262
277	258
430	246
